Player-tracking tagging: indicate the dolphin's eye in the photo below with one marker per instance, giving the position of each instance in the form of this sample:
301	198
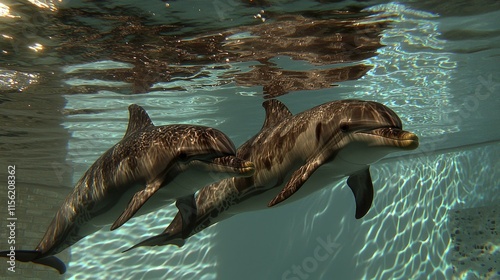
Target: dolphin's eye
183	156
344	127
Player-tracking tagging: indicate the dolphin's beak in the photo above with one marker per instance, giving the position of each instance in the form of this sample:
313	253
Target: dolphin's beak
392	136
231	165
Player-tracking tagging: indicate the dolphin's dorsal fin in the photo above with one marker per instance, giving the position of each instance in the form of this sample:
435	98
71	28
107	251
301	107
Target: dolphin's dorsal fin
362	188
138	119
276	112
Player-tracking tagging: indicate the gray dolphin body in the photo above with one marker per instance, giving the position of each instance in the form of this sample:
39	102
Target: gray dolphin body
184	157
331	141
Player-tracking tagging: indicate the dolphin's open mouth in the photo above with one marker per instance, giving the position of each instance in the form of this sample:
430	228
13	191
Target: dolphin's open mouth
393	136
230	164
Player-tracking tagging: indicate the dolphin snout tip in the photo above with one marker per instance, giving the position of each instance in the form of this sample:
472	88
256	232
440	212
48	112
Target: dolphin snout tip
411	139
233	165
248	168
409	136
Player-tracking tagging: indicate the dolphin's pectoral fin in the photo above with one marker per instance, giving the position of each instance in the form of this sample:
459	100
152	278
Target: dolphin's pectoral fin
32	256
362	188
299	177
136	203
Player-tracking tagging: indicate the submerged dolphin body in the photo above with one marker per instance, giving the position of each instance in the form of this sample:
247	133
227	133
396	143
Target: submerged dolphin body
184	157
331	141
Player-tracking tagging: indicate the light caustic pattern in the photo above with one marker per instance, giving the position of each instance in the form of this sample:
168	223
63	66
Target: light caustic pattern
405	235
409	235
411	73
193	261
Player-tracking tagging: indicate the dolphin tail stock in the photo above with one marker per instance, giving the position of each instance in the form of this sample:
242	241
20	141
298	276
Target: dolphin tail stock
34	256
179	229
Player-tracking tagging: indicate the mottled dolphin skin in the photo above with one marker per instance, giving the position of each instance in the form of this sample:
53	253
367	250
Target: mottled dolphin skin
184	157
330	141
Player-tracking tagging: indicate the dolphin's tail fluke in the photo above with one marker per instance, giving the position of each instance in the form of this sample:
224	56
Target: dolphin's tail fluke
34	256
53	262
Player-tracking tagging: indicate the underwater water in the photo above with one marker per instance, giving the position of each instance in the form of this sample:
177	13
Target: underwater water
69	69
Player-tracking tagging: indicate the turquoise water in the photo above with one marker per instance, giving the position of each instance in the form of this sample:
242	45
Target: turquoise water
68	71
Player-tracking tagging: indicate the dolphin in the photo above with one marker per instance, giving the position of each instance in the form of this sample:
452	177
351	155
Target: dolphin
295	156
184	157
